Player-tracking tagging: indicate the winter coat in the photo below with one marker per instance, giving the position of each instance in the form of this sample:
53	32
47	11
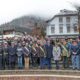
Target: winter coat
56	53
34	52
19	51
49	49
41	51
1	51
11	50
26	51
75	50
65	51
12	54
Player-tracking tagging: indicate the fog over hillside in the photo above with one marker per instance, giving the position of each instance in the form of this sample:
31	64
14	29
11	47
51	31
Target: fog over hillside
29	22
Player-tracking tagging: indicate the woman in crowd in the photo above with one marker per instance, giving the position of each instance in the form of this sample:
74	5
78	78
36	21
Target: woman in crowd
75	52
19	56
65	54
56	55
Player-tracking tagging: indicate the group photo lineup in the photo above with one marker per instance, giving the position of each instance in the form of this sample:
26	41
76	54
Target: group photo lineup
39	39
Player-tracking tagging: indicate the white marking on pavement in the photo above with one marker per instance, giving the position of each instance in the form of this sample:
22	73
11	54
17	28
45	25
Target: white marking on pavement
36	75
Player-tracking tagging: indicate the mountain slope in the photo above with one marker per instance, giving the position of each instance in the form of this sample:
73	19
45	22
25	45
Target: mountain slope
26	22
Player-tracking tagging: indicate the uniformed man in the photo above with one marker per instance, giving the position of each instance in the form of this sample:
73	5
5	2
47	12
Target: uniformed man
1	57
34	55
12	55
42	55
26	52
5	54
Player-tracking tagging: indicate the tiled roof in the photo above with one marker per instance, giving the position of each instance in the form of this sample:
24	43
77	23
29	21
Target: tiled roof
16	28
67	12
64	12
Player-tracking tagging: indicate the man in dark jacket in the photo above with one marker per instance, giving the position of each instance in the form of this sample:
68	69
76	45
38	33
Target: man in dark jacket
12	55
49	55
75	55
34	55
5	55
42	55
1	57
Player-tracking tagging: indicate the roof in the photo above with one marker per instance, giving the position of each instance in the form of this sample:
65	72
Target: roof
67	12
64	12
16	28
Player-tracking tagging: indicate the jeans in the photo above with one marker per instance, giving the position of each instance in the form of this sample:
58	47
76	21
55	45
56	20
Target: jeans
42	62
57	64
20	64
48	63
75	61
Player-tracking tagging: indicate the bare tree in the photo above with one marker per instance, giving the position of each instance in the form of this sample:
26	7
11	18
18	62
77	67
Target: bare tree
39	27
77	7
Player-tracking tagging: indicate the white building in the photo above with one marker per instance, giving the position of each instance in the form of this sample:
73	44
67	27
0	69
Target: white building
63	25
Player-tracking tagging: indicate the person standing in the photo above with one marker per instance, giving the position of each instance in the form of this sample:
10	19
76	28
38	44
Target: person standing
56	55
75	55
78	40
41	55
19	56
65	54
12	55
34	55
26	52
49	49
1	57
6	55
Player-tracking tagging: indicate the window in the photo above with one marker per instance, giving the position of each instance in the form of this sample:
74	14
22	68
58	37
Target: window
52	28
60	19
75	28
60	28
68	28
68	19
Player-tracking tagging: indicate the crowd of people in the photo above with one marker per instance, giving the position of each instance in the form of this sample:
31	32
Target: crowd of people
31	51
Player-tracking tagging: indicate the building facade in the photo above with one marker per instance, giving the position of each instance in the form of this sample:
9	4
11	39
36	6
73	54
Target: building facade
12	31
63	25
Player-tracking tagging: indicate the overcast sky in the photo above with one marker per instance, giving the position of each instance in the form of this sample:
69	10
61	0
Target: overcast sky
11	9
